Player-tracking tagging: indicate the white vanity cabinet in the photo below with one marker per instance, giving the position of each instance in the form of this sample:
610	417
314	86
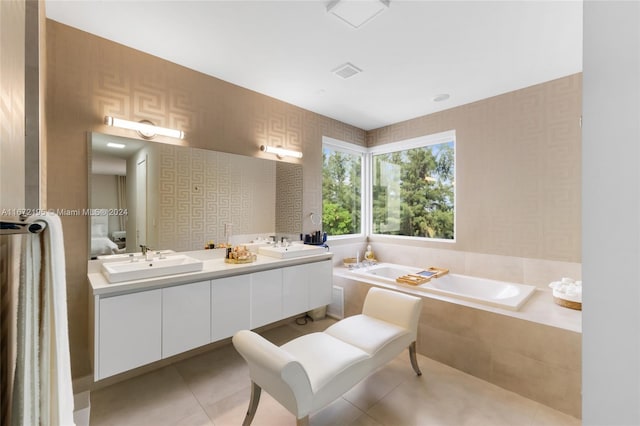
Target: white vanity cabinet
230	306
306	287
266	297
320	283
186	313
137	326
129	330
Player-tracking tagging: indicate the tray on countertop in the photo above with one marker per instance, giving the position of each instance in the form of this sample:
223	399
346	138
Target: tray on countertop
422	276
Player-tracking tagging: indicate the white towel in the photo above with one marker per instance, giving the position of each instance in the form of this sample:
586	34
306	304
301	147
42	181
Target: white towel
43	392
26	385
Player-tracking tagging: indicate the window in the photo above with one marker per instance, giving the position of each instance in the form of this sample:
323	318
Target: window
404	189
341	188
413	188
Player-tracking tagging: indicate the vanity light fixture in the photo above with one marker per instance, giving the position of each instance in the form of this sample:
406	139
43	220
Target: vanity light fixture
357	12
280	152
145	128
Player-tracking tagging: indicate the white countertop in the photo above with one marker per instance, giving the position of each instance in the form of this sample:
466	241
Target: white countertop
214	266
540	307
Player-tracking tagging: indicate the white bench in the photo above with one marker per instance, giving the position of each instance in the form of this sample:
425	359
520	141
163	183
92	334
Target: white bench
311	371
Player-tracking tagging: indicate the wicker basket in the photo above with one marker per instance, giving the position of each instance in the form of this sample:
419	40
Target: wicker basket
568	303
238	261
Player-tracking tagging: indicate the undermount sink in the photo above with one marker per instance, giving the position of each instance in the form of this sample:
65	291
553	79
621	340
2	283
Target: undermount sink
116	272
294	250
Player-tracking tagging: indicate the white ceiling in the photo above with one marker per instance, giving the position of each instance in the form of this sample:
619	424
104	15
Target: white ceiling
410	53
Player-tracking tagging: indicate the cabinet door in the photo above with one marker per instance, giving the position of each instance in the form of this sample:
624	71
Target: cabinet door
186	317
295	290
129	331
320	278
230	306
266	297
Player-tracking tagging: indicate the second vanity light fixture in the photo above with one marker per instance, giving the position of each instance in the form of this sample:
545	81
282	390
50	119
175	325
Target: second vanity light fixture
280	152
146	129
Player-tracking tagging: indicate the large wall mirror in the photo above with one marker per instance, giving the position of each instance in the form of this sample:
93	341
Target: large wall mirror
180	198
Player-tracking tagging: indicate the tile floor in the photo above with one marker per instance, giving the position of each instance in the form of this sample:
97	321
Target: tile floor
213	389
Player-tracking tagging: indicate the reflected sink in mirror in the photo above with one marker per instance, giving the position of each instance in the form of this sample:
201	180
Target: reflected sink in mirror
294	250
116	272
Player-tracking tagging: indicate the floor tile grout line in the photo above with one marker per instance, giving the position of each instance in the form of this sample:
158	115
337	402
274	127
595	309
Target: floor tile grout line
354	406
188	386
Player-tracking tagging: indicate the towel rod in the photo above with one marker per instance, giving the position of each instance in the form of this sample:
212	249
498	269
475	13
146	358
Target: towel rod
11	227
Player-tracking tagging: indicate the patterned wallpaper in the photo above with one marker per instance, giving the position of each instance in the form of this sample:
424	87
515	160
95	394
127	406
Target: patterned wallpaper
288	198
518	182
201	191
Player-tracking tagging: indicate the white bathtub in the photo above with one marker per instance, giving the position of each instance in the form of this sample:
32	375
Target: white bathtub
488	292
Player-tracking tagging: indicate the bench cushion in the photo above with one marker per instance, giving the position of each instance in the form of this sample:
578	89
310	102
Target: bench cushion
324	358
369	334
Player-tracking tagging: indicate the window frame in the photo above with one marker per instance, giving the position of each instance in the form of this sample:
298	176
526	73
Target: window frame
352	149
404	145
366	183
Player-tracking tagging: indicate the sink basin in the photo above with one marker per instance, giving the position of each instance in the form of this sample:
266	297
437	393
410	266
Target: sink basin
295	250
116	272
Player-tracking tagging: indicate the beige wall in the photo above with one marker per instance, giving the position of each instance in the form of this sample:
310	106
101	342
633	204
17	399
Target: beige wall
12	105
518	170
89	77
12	181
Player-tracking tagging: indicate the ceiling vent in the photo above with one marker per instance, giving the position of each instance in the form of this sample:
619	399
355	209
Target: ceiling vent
346	71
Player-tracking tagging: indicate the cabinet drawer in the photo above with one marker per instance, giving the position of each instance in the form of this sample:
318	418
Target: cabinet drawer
186	314
130	331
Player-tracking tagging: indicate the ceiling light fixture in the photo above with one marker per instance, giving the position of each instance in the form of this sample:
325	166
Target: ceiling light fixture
145	128
357	12
280	152
440	98
116	145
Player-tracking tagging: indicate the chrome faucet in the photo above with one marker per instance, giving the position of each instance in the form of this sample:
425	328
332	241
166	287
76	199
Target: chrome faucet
147	252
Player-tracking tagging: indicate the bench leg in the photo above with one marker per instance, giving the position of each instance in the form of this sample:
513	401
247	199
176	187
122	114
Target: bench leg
253	404
303	421
414	360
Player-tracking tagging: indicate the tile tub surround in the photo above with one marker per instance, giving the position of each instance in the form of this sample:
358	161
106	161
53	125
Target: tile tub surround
522	270
538	361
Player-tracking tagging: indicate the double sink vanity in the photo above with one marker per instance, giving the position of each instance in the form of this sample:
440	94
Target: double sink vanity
148	308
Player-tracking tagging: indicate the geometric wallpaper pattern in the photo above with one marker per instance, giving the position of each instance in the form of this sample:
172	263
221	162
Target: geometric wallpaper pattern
288	198
207	195
518	170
